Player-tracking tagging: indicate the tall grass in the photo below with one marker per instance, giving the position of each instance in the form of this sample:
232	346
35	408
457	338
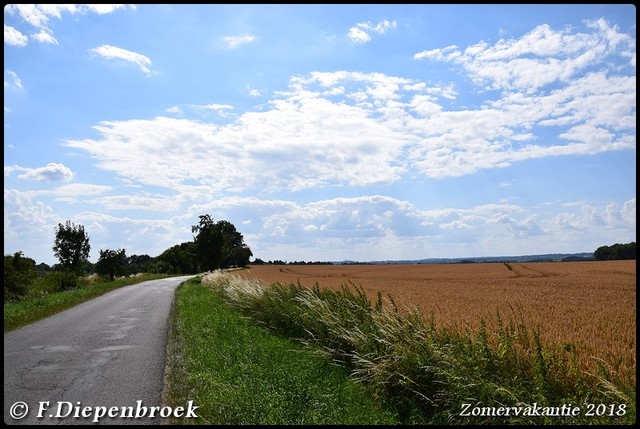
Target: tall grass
240	373
426	371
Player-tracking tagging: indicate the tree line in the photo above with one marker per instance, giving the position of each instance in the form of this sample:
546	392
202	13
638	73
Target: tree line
216	244
616	251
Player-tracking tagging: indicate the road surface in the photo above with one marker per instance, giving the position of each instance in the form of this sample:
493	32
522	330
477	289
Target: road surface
106	352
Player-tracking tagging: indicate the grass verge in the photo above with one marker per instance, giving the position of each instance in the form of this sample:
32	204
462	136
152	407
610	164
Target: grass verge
20	313
431	374
239	373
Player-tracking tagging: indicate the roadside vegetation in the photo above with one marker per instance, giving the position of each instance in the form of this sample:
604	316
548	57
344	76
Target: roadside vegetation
46	297
422	371
33	291
237	372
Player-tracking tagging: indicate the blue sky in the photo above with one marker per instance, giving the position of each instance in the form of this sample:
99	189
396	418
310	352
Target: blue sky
322	132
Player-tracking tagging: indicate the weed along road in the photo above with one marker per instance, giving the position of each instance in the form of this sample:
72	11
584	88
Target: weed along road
104	357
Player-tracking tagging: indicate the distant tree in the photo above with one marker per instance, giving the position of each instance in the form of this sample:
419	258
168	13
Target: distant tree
19	274
72	247
219	244
111	263
616	252
42	269
178	259
139	264
161	267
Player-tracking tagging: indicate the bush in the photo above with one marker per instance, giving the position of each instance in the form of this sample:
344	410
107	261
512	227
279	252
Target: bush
19	273
58	281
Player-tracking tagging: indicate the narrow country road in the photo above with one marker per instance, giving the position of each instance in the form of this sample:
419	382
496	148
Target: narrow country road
106	352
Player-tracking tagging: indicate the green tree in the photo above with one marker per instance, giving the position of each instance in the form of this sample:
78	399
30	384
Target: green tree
139	264
219	244
179	259
616	252
19	274
72	247
111	263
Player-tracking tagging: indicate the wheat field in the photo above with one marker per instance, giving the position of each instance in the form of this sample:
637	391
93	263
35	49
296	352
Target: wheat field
587	306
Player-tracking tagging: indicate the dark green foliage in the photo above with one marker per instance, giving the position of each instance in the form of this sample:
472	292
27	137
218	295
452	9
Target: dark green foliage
139	264
72	247
178	259
111	263
219	245
19	273
616	252
58	281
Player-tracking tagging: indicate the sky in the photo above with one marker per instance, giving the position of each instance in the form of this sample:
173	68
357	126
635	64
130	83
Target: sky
322	132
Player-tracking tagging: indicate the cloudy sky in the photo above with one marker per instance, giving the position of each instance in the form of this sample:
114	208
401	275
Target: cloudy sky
322	132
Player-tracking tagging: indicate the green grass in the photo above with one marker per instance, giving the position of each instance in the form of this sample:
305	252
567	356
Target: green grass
20	313
426	372
239	373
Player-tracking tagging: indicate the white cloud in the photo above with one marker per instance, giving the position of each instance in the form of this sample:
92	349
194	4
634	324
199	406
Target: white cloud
212	106
103	9
351	128
14	37
112	52
254	92
38	16
537	59
25	219
383	227
174	109
362	30
358	35
233	42
14	80
44	37
156	203
52	172
71	191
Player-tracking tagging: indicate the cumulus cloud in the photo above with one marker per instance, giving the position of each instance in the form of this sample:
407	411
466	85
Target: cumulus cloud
233	42
537	59
351	128
383	227
114	53
357	35
14	37
39	15
361	32
52	172
44	37
25	218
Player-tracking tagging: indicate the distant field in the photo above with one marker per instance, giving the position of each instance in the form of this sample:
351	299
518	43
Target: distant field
587	305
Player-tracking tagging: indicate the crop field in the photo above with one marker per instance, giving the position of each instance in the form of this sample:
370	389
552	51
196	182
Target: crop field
587	307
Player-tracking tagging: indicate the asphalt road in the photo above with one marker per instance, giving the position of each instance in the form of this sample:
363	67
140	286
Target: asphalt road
106	352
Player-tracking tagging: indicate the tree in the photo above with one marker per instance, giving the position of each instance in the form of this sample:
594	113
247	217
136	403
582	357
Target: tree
219	244
178	259
111	263
71	247
19	274
139	264
615	252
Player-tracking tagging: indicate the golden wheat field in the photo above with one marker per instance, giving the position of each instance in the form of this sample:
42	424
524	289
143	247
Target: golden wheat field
590	305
